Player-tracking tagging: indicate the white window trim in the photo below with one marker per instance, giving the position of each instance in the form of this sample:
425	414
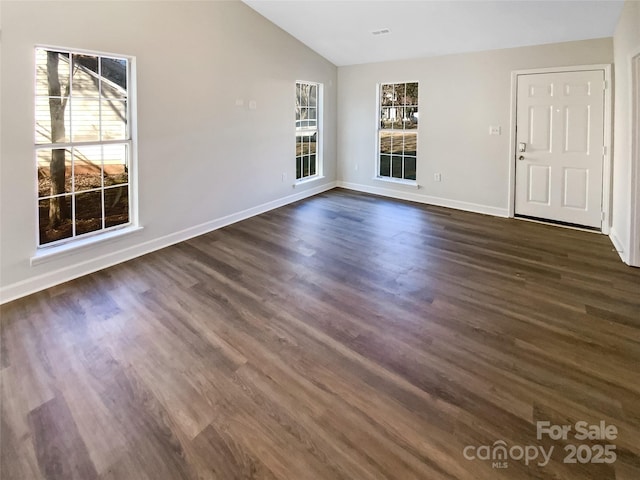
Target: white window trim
84	242
55	249
400	181
376	174
319	136
309	179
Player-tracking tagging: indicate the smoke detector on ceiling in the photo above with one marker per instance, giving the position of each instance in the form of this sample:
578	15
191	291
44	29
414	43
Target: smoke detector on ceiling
382	31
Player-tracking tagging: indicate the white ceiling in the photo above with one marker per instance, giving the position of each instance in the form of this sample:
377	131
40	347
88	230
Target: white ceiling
341	31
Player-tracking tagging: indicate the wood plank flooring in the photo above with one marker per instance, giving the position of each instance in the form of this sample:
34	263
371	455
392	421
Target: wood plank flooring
342	337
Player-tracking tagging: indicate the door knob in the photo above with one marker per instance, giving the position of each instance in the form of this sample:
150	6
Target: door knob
521	157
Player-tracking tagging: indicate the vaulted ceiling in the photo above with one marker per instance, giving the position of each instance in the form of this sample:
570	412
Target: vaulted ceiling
343	31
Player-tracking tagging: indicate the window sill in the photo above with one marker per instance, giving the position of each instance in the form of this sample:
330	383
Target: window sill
308	180
48	254
400	181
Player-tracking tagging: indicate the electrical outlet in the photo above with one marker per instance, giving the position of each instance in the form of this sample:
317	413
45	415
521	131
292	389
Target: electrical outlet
437	177
495	130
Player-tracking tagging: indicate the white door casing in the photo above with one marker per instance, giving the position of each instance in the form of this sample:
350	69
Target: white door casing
560	122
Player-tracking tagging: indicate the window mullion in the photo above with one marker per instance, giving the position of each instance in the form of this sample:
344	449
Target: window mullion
44	146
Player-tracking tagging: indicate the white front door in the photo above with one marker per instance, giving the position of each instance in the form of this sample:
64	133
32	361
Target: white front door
560	146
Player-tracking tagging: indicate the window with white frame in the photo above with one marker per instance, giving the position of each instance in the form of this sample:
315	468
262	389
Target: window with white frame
308	111
398	131
83	144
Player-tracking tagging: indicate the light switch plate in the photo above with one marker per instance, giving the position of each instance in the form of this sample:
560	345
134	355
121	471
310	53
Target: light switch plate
495	130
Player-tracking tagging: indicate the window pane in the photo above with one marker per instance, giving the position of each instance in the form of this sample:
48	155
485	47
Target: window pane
387	92
313	115
116	206
114	77
46	109
312	165
116	164
305	166
385	142
87	63
410	141
385	165
398	94
312	144
60	228
114	120
412	118
410	168
61	171
85	119
307	93
298	167
87	167
385	117
412	94
55	66
313	96
85	76
298	94
396	166
88	212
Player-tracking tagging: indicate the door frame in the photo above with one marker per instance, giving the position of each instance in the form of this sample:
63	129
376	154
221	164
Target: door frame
606	165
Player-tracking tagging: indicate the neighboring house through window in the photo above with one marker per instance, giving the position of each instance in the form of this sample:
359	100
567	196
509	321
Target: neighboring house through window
398	131
308	115
83	144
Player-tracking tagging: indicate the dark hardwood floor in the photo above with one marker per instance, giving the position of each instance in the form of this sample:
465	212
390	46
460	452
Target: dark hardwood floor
342	337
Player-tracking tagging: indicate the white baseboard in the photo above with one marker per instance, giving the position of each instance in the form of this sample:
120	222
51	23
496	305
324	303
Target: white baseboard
618	245
427	199
56	277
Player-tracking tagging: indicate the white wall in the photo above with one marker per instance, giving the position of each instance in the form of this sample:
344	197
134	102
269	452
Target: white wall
203	161
460	97
625	43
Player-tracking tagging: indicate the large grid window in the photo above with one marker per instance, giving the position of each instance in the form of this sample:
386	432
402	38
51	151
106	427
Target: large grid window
398	130
307	133
83	144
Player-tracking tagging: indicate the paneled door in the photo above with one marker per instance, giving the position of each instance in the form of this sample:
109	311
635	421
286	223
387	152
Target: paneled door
560	147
